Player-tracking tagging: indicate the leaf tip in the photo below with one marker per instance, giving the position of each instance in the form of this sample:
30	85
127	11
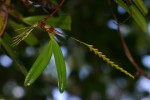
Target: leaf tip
27	83
61	90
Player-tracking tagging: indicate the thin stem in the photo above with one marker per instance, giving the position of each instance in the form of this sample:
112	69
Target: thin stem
126	50
49	16
129	56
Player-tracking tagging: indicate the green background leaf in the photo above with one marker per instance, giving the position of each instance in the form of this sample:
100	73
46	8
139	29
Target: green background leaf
140	4
3	17
31	39
136	14
63	22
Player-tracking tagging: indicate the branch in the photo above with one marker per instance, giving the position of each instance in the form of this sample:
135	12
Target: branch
126	50
49	16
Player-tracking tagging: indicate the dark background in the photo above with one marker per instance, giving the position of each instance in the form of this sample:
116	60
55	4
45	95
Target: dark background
89	77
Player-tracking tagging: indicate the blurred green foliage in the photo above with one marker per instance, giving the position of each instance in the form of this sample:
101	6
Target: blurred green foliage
89	77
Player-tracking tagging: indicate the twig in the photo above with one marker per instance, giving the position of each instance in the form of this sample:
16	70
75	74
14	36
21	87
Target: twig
49	16
126	50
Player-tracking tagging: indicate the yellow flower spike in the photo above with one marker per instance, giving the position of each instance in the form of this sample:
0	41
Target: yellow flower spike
96	52
90	46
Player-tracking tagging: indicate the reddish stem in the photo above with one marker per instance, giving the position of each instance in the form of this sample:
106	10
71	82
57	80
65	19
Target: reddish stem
128	54
49	16
126	50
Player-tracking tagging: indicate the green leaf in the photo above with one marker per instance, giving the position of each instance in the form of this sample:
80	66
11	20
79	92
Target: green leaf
135	13
7	39
39	65
60	66
3	17
140	4
63	22
31	39
139	18
12	55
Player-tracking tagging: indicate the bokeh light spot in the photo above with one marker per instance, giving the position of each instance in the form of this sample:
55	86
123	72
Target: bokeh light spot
121	10
59	96
18	92
5	61
143	85
111	24
146	61
30	51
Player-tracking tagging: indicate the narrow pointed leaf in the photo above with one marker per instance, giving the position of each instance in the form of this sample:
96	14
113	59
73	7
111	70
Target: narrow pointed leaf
140	4
39	65
12	54
3	17
60	65
136	15
139	18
